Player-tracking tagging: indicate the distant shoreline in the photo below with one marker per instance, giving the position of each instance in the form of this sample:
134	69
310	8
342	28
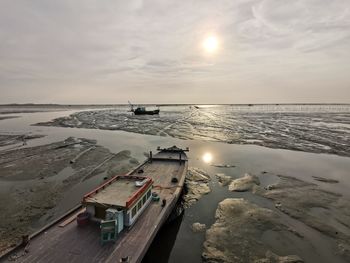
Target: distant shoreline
167	104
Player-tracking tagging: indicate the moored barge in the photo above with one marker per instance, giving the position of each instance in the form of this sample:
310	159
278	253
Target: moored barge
117	221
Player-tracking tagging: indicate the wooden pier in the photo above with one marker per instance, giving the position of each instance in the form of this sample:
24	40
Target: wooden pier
65	241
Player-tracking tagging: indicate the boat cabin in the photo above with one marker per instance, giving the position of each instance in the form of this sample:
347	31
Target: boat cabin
118	203
141	109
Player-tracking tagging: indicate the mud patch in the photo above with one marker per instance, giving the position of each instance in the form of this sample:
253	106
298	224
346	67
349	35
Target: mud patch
326	212
33	180
198	227
197	185
325	180
9	139
302	128
7	117
246	183
223	179
237	233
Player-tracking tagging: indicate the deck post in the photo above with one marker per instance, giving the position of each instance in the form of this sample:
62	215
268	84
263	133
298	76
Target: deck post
125	259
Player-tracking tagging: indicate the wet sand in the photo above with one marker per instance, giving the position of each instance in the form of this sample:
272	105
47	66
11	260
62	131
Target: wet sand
196	185
301	128
236	234
246	232
7	117
20	139
32	108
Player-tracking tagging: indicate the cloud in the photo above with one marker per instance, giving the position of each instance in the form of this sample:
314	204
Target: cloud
306	25
125	46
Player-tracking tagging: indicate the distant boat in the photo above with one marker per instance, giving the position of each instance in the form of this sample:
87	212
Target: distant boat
142	110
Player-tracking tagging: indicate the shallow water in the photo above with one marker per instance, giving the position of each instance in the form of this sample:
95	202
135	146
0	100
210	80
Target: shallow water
177	242
309	128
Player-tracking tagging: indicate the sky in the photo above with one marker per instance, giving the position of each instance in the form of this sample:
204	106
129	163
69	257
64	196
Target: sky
112	51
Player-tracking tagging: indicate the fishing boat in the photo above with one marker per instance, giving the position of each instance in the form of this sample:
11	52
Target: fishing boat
141	110
115	222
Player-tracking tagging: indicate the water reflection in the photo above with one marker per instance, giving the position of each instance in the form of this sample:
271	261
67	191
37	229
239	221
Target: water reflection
207	157
163	243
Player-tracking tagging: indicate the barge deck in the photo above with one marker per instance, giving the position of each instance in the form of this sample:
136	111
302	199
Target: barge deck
65	241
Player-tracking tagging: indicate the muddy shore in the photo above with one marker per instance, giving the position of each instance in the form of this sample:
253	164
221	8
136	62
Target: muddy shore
196	185
7	117
236	234
244	231
9	139
35	179
309	131
32	108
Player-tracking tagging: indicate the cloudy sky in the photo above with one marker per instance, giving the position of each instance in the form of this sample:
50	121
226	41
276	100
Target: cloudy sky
151	51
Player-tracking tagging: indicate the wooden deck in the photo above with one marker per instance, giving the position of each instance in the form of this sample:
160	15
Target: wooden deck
82	244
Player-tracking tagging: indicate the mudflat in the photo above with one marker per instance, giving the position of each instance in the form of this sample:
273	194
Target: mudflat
35	179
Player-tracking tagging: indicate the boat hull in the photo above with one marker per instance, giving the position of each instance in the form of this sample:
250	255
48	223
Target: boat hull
65	241
148	112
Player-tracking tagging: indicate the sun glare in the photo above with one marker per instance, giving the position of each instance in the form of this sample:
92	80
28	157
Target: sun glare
210	44
207	157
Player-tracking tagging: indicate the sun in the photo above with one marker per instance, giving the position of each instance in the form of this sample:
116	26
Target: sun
207	157
210	44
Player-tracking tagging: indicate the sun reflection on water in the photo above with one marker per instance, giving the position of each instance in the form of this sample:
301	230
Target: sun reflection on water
207	157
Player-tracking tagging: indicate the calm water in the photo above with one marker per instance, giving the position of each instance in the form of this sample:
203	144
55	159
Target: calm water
176	242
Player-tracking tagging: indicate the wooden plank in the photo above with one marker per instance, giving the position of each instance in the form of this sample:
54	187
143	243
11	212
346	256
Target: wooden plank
72	218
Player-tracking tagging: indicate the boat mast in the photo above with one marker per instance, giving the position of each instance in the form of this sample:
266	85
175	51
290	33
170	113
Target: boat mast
131	106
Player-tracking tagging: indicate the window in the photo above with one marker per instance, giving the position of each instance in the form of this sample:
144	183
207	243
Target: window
139	205
148	194
144	199
133	212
